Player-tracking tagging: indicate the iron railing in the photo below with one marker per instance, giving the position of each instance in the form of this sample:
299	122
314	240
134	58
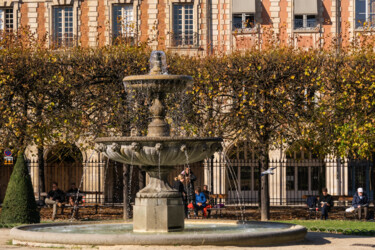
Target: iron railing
235	180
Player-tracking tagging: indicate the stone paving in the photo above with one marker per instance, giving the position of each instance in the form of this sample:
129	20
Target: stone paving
312	241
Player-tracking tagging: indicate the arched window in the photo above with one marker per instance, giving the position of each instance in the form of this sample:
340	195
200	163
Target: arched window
63	165
243	171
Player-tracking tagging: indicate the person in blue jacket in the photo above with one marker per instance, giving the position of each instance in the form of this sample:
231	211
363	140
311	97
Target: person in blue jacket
360	202
200	200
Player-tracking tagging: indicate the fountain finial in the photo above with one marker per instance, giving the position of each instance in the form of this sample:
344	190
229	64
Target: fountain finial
158	63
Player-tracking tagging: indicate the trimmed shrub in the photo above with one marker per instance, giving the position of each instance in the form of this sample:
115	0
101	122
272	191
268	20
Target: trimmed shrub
19	204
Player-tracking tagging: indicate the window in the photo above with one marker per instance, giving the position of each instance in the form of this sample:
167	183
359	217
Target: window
243	14
63	26
290	177
243	21
122	21
304	170
6	19
303	178
364	13
305	14
304	21
183	28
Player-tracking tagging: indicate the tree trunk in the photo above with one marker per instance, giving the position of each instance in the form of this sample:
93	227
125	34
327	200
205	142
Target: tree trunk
42	184
264	193
126	192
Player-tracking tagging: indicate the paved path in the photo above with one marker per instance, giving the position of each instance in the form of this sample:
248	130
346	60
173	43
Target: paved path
319	241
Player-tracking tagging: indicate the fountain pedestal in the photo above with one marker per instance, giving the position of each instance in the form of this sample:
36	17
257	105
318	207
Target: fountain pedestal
158	207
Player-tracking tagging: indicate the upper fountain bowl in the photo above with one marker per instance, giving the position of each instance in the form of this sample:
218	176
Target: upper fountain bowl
158	80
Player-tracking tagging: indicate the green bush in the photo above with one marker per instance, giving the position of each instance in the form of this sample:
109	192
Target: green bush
19	204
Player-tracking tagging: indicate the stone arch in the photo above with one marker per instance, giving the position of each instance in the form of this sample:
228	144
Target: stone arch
63	164
243	171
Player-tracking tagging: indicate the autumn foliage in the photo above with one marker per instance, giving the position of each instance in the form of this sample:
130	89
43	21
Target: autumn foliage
318	99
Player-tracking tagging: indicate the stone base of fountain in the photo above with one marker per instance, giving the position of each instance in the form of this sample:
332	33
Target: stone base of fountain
158	215
158	207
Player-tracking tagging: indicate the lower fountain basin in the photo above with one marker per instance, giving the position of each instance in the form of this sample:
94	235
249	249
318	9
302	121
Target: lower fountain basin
210	232
154	151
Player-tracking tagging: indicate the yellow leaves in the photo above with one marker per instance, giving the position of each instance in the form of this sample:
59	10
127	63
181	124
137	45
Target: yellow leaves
292	77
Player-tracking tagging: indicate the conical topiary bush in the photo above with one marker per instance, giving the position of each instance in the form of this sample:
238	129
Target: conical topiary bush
19	204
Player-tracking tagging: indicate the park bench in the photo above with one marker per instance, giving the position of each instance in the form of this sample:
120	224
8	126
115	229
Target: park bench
80	204
217	206
338	201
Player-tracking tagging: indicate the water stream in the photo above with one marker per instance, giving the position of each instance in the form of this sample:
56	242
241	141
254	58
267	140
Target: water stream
85	167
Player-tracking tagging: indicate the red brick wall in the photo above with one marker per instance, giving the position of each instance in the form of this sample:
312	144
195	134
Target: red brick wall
101	23
84	24
41	30
144	17
161	24
327	23
284	37
345	25
24	18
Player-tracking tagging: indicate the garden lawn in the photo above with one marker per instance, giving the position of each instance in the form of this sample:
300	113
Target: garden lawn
333	224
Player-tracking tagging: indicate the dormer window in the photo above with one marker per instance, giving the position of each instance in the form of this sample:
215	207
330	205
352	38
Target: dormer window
305	14
243	14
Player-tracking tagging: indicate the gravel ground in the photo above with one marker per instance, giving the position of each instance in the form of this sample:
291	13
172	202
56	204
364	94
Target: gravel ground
312	241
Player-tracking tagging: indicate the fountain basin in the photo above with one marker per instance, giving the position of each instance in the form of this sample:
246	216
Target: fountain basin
153	151
209	232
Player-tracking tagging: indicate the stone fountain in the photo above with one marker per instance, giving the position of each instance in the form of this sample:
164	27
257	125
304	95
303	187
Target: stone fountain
158	212
158	207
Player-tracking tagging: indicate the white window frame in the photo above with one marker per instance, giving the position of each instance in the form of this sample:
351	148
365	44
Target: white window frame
3	20
185	39
367	13
64	40
305	23
243	26
127	24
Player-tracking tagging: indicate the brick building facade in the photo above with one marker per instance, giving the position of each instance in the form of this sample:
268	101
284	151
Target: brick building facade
194	25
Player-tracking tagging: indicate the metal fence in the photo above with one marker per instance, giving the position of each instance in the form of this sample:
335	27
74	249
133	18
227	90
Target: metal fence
237	181
292	180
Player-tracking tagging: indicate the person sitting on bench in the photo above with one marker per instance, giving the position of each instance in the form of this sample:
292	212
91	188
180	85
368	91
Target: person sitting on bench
325	203
73	199
360	202
56	198
209	203
200	200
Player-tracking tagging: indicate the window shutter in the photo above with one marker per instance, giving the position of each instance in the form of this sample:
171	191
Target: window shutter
305	7
243	6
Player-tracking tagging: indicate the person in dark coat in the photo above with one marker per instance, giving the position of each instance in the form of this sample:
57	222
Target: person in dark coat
178	184
360	202
325	203
55	197
189	180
